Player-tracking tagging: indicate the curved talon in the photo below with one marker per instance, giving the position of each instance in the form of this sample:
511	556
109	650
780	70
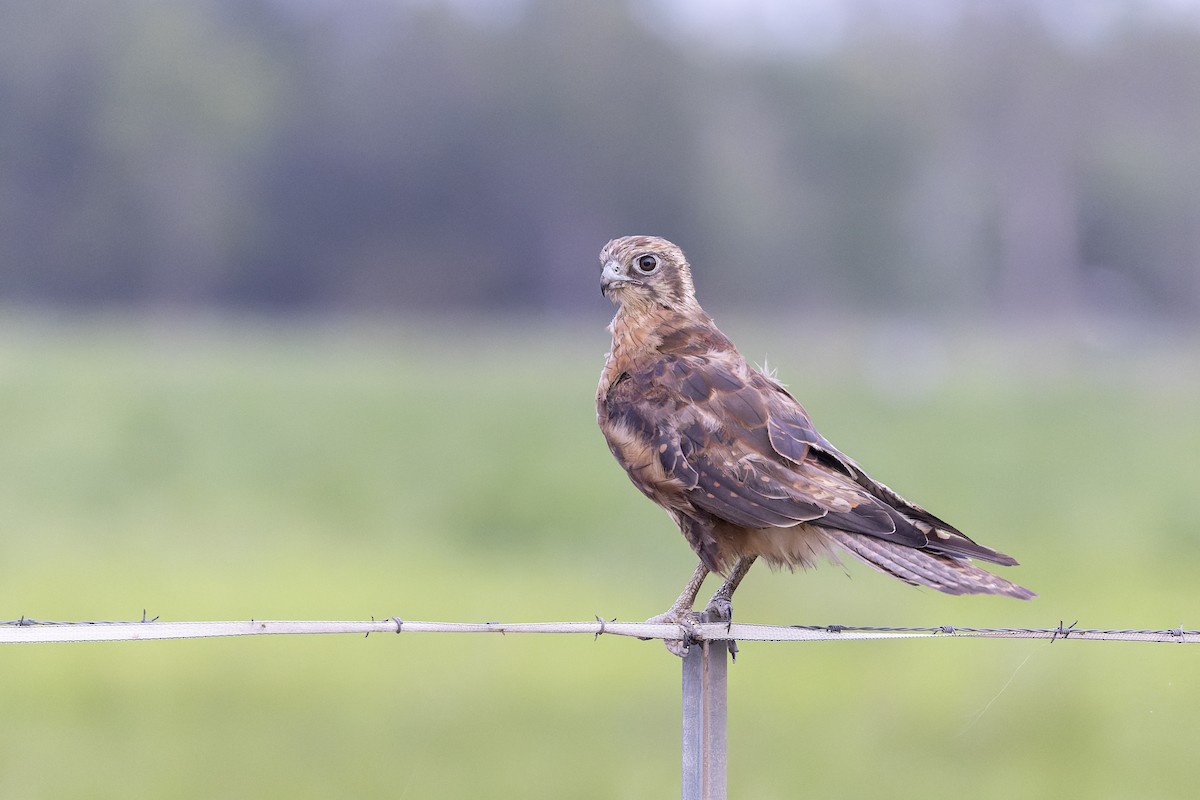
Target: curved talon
720	609
677	648
689	622
681	647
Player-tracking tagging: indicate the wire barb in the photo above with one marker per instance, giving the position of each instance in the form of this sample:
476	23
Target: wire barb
600	619
1061	631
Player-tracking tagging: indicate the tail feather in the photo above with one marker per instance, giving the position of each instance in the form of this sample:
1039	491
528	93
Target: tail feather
923	568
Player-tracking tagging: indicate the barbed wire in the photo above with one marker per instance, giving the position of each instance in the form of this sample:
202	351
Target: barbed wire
28	630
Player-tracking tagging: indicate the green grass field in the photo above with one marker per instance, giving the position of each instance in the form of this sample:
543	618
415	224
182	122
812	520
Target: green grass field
441	472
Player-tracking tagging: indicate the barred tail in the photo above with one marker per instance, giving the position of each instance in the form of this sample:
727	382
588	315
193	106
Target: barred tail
922	568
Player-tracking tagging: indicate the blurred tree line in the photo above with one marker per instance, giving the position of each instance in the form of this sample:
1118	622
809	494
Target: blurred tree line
425	155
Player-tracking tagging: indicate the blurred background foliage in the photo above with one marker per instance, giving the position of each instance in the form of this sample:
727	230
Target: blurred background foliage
997	157
298	319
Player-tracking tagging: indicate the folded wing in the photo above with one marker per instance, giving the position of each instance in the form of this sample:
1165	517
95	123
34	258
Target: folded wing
751	456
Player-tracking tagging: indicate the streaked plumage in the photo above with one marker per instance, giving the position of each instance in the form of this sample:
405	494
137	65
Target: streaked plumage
735	459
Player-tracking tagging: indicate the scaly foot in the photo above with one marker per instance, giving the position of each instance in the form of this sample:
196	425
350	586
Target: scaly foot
684	618
720	609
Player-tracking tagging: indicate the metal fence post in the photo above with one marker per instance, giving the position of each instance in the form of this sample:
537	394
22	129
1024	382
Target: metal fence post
705	681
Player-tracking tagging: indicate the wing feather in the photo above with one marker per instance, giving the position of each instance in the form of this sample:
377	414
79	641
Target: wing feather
753	458
740	474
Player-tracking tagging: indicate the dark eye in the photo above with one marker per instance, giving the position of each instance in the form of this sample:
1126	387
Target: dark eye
647	264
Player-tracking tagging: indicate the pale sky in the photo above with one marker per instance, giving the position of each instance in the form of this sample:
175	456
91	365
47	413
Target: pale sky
814	26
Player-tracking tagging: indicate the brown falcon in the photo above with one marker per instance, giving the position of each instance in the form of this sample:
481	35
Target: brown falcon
734	458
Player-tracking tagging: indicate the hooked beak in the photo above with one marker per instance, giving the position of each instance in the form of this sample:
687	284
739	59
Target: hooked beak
611	277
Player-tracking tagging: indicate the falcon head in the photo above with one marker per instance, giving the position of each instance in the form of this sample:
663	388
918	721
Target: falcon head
643	272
